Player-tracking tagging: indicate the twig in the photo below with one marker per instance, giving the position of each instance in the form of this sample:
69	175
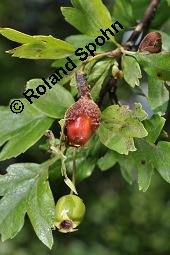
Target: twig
144	23
109	88
82	84
114	53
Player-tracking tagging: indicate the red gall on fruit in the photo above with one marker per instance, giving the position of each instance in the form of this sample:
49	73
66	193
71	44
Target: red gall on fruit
152	43
83	117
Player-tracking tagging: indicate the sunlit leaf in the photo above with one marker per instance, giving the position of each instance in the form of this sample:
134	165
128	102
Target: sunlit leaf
88	16
37	47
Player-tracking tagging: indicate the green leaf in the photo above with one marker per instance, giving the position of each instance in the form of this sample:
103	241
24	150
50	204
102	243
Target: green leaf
122	11
98	74
126	163
88	16
37	47
165	40
26	137
162	160
147	157
168	2
80	40
21	131
144	162
156	65
131	71
139	8
55	170
107	161
126	171
115	141
40	209
144	176
54	102
86	169
158	95
154	127
16	36
60	63
120	125
140	161
25	189
127	167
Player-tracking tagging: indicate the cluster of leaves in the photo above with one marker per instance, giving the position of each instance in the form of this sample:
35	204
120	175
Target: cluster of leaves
129	134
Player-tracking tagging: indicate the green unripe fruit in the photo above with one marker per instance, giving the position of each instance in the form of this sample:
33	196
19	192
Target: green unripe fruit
69	213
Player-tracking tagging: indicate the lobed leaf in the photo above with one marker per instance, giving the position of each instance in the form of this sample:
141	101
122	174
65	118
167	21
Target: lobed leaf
156	65
40	209
143	161
88	16
25	189
37	47
120	125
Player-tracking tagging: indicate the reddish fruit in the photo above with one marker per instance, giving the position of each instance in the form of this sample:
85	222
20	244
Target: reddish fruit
152	43
82	119
79	130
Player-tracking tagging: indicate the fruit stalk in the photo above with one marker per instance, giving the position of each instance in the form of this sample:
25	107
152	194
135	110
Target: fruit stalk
82	85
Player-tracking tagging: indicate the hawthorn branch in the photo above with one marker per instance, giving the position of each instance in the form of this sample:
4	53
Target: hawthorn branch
142	27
